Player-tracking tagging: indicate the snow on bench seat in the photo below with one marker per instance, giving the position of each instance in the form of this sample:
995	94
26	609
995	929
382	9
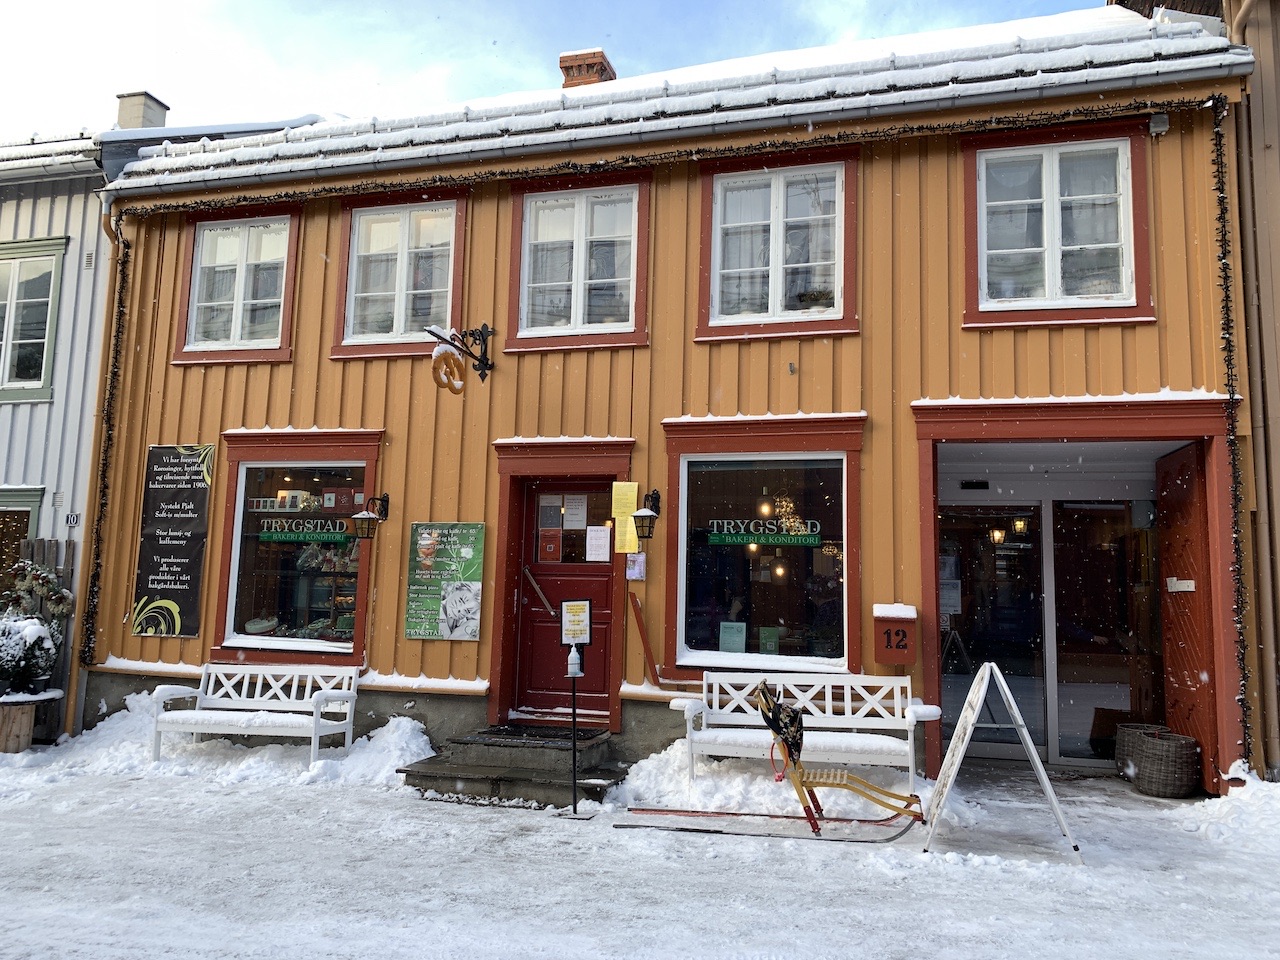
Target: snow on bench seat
853	719
205	720
281	700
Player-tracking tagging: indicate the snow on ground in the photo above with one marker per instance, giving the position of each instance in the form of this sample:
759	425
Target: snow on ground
218	850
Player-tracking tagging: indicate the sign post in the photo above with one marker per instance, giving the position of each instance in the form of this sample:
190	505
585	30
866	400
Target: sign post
575	630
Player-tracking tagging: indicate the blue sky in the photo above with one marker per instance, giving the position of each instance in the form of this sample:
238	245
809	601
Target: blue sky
220	61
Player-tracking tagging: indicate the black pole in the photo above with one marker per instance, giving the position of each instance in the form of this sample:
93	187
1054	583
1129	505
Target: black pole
574	733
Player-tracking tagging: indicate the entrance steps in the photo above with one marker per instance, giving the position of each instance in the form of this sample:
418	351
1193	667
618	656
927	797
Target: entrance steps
520	763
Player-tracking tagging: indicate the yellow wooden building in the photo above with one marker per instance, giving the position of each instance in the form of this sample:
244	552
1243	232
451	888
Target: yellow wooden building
945	322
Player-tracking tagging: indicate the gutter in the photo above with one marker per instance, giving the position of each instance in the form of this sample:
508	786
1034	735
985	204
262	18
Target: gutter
49	170
729	121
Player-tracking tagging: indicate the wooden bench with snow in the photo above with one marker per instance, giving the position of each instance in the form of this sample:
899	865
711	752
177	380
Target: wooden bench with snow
309	701
849	718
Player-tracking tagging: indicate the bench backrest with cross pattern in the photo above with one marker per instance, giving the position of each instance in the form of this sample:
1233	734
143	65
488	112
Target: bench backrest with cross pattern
272	687
828	701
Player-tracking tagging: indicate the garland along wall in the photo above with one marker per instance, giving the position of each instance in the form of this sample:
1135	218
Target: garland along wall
437	461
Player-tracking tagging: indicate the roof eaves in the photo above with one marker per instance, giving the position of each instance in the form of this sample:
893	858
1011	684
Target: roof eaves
655	113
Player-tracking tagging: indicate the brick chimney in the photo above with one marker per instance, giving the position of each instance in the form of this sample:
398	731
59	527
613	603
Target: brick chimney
586	66
140	109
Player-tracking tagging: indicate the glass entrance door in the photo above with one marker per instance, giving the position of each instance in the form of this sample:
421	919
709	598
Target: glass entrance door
1070	616
991	599
1107	620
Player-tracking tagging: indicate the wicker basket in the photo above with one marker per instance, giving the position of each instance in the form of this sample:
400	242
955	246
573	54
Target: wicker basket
1168	765
1127	735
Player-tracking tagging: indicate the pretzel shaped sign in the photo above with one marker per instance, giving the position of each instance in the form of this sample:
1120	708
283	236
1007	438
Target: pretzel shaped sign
448	370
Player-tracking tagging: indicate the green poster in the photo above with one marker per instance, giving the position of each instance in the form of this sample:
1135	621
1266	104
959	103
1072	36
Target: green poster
446	570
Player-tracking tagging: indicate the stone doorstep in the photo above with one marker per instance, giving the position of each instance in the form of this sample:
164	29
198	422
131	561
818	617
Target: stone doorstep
548	755
510	783
548	741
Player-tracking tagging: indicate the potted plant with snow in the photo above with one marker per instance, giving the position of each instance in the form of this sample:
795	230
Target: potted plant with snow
32	612
31	615
13	647
40	658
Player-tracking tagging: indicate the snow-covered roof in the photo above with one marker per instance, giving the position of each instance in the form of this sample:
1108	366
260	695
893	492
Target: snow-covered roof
1109	48
46	159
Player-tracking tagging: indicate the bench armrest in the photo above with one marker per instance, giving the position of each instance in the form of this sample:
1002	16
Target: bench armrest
918	712
694	713
688	706
322	699
165	692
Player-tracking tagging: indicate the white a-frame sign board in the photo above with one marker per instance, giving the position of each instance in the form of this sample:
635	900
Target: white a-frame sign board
960	743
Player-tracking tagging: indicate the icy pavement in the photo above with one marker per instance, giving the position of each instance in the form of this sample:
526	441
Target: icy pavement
223	851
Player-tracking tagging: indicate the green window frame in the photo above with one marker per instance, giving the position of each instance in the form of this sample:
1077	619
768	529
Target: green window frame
29	316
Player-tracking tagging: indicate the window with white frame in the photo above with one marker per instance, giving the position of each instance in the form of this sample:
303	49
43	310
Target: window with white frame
778	245
578	273
29	277
295	565
401	272
237	295
1055	226
762	556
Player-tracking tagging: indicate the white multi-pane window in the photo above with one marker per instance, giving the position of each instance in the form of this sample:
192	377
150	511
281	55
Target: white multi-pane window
1055	226
778	245
762	557
401	272
237	295
26	298
579	262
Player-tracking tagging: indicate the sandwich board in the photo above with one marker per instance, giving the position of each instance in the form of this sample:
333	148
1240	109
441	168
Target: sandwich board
960	744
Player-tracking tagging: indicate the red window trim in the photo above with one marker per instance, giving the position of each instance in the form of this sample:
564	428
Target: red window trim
280	354
833	433
290	447
1135	131
848	323
637	337
341	350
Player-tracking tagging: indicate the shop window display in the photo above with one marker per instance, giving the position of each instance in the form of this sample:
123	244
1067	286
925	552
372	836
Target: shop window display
764	558
296	567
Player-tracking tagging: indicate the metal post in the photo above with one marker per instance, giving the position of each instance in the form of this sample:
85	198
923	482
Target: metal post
573	688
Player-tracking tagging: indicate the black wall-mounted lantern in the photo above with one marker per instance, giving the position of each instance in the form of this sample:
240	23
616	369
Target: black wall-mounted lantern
644	517
375	512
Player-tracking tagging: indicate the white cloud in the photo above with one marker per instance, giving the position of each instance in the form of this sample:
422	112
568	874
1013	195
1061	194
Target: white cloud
220	61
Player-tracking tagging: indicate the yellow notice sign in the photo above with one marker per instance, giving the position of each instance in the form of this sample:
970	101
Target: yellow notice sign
625	539
575	622
625	497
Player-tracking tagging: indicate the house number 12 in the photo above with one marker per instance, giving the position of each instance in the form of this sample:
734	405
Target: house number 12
899	645
895	639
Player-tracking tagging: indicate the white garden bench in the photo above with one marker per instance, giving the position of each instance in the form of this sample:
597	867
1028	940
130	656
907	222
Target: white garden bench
308	701
854	719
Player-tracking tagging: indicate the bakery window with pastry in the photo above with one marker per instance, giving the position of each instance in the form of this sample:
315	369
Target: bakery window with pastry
296	560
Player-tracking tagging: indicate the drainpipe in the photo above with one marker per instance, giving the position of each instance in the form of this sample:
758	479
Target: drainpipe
78	678
1264	398
1240	20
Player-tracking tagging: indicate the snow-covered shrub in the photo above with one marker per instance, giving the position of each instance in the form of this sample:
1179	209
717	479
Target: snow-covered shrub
42	652
13	651
31	616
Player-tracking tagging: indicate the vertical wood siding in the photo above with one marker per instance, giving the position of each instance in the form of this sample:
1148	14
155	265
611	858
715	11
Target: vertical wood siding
438	462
